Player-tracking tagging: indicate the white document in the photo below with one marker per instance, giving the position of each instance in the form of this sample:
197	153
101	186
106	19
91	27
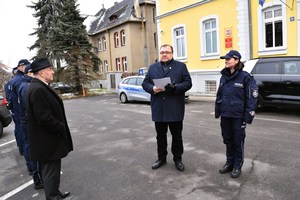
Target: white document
162	82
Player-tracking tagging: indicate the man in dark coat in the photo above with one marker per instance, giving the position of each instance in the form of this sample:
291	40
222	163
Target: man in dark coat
168	104
33	166
49	135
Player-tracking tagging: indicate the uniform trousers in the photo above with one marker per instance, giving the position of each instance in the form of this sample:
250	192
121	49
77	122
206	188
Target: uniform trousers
51	178
177	144
233	132
18	133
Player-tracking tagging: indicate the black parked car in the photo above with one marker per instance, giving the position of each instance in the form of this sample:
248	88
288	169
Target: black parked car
5	115
278	80
61	87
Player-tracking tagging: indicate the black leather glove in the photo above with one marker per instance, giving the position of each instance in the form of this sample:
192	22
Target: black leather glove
9	106
170	88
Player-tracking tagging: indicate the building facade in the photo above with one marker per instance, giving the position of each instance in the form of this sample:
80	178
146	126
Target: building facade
203	30
125	39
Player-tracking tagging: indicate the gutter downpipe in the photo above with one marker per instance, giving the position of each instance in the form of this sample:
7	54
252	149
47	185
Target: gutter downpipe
250	31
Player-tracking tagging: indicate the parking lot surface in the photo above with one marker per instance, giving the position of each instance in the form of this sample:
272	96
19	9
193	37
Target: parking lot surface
115	146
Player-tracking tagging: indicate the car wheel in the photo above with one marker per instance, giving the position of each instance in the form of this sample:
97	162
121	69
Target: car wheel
1	129
123	98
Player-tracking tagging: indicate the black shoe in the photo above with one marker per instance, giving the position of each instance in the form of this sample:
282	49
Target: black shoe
225	169
236	173
38	186
179	165
158	164
65	195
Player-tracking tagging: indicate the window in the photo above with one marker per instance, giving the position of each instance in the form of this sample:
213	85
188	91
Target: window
292	68
267	68
272	26
116	39
132	81
154	14
104	43
209	37
155	41
105	65
139	81
179	42
101	68
210	86
123	38
118	64
99	45
210	34
124	64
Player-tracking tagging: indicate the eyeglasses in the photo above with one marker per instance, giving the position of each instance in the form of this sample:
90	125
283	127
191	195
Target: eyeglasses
165	52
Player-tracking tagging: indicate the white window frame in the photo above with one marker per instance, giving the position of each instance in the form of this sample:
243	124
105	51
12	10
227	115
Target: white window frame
118	63
262	50
117	42
124	63
99	44
174	28
104	43
203	54
101	68
105	65
123	38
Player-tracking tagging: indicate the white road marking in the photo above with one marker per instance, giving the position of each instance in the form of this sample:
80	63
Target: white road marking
197	111
272	120
277	120
15	191
1	145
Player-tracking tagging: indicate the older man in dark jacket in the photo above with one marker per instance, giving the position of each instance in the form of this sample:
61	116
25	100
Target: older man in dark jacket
49	135
168	104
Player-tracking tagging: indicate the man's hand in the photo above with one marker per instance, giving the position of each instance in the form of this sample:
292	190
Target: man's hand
170	88
157	90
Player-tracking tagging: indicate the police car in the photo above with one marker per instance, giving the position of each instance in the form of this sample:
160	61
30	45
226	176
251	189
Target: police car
278	80
130	89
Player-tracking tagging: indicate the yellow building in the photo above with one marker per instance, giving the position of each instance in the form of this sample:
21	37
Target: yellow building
203	30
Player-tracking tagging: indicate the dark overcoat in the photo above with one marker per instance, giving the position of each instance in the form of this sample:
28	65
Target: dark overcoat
168	107
48	131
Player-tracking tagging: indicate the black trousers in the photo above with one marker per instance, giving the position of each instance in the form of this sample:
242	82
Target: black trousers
177	144
233	132
51	178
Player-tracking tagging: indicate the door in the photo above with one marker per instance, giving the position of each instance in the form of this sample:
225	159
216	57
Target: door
268	80
291	83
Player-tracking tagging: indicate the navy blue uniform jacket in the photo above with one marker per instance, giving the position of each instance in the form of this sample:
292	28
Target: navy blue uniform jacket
168	107
48	131
236	96
22	96
13	100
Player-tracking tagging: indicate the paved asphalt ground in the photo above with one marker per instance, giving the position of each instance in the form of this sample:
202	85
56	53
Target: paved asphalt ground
115	146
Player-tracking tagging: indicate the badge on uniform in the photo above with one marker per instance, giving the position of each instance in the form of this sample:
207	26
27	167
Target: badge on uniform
255	93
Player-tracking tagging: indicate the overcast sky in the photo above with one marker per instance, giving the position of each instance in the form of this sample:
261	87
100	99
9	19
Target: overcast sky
17	22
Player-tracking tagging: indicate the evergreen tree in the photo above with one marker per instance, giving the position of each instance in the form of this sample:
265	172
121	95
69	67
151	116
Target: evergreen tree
62	37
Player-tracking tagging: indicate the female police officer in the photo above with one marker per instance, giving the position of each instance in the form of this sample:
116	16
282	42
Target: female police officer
235	103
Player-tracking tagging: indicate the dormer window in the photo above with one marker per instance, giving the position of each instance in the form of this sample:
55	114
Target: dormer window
113	17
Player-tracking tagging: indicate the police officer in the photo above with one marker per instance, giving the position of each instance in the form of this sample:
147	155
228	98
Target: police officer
235	103
33	166
7	86
14	102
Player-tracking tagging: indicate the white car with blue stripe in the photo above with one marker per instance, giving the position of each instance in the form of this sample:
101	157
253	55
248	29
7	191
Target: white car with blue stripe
130	89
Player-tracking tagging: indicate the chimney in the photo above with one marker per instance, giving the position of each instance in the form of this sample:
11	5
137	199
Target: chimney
137	8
